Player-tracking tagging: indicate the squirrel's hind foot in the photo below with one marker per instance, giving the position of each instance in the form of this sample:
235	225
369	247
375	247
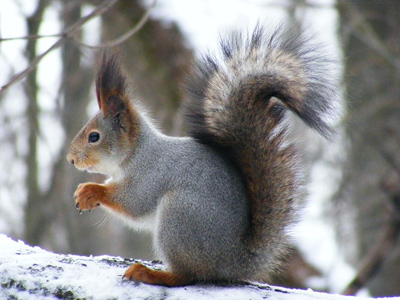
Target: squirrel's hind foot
141	273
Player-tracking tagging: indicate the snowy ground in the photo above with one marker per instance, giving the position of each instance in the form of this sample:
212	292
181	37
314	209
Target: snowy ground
32	273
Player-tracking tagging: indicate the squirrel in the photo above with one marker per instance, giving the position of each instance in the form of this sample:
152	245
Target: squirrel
218	202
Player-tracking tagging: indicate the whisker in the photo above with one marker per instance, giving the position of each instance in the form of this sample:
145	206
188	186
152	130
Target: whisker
103	220
74	149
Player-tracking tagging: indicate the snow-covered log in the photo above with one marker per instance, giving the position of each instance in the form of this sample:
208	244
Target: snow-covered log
33	273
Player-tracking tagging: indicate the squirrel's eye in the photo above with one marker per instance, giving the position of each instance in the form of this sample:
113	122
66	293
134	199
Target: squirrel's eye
94	137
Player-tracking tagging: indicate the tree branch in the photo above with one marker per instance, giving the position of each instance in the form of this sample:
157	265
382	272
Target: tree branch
102	8
36	273
31	37
108	44
126	35
375	258
378	255
365	33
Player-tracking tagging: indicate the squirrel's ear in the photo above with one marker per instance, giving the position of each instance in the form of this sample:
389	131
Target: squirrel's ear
111	85
115	106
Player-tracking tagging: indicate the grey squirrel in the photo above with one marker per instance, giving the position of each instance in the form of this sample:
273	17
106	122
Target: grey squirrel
220	201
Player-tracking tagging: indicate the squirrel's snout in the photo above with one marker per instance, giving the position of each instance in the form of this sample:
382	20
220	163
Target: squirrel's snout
70	159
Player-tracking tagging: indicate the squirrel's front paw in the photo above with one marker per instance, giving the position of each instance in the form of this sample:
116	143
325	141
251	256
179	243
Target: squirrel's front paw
89	195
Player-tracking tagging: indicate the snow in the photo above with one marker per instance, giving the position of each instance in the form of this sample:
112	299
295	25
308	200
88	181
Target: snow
30	273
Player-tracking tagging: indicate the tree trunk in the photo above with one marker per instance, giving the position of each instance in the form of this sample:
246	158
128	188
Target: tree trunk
35	216
371	41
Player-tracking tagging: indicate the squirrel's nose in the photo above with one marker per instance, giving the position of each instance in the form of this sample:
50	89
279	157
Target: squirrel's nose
70	159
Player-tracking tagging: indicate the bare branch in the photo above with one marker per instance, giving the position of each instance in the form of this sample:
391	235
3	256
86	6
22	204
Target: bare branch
365	33
102	8
109	44
373	262
376	257
126	35
31	37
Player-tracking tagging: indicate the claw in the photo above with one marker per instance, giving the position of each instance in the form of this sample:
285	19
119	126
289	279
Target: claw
125	278
77	205
80	211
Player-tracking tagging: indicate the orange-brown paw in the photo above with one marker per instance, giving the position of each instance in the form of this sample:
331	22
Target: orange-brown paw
137	272
141	273
89	195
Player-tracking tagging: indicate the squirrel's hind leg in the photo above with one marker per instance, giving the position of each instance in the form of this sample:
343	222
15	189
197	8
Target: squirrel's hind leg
141	273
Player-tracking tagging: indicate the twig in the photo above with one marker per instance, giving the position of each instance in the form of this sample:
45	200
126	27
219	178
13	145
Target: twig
376	257
364	32
374	260
109	44
31	37
126	35
107	4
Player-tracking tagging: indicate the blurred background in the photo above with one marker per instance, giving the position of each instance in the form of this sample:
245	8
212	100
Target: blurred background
348	239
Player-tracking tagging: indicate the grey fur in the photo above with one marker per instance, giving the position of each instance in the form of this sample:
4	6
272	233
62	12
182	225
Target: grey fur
193	199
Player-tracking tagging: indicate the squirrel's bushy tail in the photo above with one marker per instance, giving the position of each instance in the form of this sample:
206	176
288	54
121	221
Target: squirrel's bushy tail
237	103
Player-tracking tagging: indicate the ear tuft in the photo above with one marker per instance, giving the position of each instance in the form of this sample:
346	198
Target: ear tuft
110	83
